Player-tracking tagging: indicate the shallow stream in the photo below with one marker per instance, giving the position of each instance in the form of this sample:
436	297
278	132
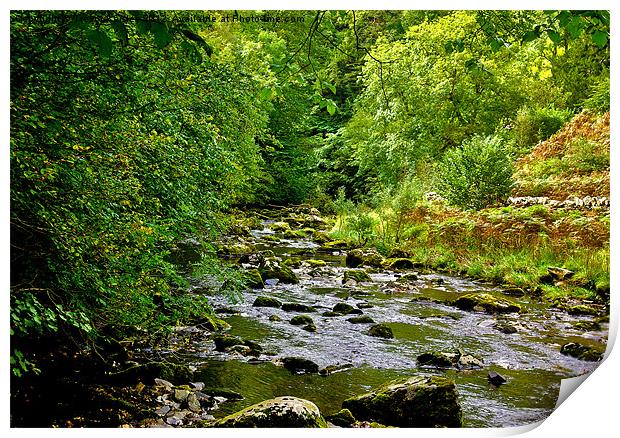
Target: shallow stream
529	359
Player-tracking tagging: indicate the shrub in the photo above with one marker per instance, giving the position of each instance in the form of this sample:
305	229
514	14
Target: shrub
477	174
533	125
598	101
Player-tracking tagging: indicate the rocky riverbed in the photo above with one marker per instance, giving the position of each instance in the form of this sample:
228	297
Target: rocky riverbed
325	323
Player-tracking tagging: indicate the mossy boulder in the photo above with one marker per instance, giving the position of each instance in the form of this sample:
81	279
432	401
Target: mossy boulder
321	237
262	301
280	412
294	234
301	320
292	262
582	309
343	308
364	319
273	269
310	327
342	418
297	307
252	279
314	262
582	352
486	302
335	244
227	342
414	402
363	257
398	263
300	365
280	226
212	323
408	278
357	275
237	247
381	331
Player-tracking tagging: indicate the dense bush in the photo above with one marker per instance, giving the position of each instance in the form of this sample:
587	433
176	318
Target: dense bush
476	174
533	125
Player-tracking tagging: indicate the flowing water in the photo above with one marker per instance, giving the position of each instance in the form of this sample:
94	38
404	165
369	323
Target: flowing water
529	359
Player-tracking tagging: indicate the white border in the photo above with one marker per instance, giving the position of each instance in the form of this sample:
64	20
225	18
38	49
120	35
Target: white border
591	411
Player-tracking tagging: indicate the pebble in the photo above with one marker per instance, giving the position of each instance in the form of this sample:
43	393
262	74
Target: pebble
163	410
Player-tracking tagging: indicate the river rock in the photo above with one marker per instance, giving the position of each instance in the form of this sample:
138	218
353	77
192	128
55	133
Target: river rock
357	275
262	301
251	278
299	365
275	318
486	302
224	342
414	402
381	331
365	319
583	352
408	278
363	257
342	309
495	378
301	320
280	226
335	244
310	327
297	307
398	263
342	418
280	412
582	309
273	269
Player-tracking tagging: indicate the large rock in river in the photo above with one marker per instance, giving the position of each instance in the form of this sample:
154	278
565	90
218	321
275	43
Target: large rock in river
486	302
278	412
272	268
363	257
414	402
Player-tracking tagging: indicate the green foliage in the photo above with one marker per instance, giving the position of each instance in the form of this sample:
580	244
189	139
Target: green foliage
533	125
119	147
477	174
599	99
362	225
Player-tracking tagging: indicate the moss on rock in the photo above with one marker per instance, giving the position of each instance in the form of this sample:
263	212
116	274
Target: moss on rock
278	412
262	301
414	402
381	331
252	279
398	263
486	302
582	352
301	320
358	275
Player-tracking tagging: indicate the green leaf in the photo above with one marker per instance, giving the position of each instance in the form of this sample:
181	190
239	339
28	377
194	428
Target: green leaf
600	38
266	93
161	34
554	36
102	41
331	107
528	36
